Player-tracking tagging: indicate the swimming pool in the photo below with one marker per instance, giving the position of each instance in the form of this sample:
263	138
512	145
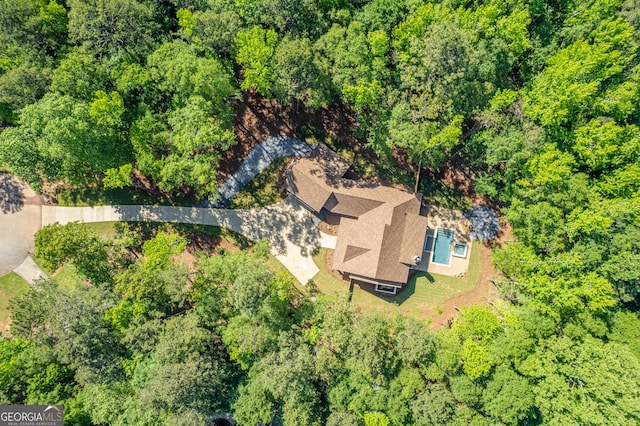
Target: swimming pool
459	250
442	246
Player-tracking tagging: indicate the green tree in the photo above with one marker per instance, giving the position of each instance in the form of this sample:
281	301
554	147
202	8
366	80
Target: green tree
283	377
375	419
509	397
434	405
57	244
159	250
59	139
79	75
216	29
254	50
21	86
602	144
180	73
597	385
189	371
296	76
181	156
569	85
113	26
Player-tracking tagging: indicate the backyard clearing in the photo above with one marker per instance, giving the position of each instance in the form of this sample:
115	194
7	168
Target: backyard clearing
425	295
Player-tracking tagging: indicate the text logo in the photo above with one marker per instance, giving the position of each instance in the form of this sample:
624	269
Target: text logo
31	415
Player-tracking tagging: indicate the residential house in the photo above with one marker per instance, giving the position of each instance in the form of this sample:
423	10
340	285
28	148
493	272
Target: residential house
381	234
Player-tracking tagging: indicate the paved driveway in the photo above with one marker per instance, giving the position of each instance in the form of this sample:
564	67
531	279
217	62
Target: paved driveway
258	159
292	235
286	225
19	221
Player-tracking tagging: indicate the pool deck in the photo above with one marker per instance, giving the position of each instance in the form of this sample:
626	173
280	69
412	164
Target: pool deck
451	219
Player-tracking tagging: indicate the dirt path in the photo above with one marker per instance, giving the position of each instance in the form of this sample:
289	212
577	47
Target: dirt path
481	294
484	292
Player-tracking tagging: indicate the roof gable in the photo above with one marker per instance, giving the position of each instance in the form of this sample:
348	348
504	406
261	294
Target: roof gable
354	251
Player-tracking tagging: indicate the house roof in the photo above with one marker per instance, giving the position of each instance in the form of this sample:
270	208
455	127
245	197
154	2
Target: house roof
380	231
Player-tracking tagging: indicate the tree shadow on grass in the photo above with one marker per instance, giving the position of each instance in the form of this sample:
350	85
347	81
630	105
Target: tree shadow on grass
281	224
410	288
404	294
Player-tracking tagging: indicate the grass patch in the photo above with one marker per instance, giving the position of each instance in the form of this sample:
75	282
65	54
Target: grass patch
263	190
386	170
68	278
97	196
11	286
441	195
102	229
275	266
40	264
324	281
424	291
108	229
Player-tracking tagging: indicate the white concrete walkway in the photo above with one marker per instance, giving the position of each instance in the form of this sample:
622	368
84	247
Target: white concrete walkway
286	225
30	272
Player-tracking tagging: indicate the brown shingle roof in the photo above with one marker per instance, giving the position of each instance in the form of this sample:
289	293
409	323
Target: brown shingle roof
381	229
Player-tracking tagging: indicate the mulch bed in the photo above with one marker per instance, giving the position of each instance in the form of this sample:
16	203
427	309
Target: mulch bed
328	262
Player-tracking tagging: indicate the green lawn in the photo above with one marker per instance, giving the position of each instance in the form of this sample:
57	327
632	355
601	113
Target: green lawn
67	277
423	293
103	229
263	189
11	286
96	196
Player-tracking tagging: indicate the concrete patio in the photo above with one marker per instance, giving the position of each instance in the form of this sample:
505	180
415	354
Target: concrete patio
439	217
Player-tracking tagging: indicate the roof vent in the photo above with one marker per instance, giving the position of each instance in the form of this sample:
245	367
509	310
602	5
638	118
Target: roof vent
417	259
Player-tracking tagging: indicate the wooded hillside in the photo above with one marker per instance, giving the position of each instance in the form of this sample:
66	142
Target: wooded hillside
540	101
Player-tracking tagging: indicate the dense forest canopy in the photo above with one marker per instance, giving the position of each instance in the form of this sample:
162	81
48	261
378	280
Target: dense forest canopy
539	99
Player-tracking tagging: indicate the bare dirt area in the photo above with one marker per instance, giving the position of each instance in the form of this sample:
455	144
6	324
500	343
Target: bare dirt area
5	327
330	224
484	292
258	118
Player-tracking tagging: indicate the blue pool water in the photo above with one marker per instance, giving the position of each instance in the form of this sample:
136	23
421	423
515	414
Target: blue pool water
442	246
